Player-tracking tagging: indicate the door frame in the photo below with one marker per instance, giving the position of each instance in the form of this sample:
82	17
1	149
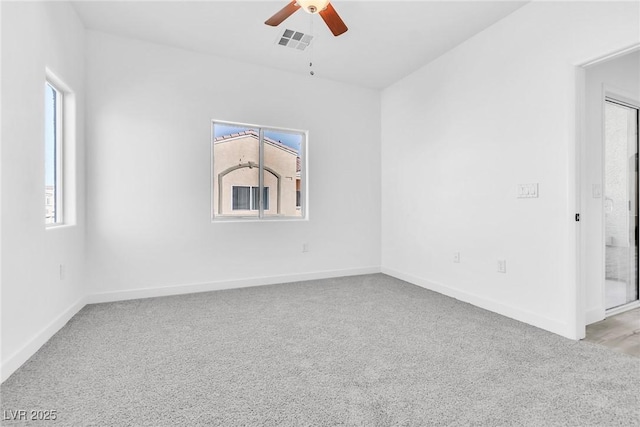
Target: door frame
577	178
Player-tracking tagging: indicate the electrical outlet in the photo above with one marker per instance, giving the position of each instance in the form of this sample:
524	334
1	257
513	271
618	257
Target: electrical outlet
502	266
305	247
456	257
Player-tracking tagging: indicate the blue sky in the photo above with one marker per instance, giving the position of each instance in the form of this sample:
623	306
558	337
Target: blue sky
291	140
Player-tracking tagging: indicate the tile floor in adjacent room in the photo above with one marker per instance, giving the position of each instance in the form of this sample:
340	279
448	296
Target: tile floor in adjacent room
620	332
616	292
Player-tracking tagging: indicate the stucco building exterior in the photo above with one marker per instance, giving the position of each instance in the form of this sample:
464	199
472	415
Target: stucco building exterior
236	160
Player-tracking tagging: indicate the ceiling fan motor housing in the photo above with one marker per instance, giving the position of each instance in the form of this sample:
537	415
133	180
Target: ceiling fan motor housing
313	6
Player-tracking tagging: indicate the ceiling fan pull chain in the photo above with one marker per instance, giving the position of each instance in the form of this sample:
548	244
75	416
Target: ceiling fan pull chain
311	72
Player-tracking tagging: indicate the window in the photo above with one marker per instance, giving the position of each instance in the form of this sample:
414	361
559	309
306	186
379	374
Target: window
257	172
255	201
241	198
59	152
53	104
245	198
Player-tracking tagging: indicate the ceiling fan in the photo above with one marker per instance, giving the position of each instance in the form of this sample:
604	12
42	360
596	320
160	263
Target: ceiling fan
321	7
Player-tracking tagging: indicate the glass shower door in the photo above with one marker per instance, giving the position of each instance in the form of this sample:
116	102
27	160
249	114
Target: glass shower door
621	203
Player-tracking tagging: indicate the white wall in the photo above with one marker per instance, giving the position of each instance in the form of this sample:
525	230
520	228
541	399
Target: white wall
457	136
35	302
149	113
460	134
622	75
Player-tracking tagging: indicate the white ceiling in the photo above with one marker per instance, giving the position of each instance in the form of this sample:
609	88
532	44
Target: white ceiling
386	39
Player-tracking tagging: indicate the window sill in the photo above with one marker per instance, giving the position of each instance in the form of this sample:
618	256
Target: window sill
245	220
59	226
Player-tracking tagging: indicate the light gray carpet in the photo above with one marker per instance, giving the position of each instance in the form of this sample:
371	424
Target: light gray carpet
367	350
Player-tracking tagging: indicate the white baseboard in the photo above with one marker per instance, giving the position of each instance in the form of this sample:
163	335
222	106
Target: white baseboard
594	315
18	358
224	284
551	325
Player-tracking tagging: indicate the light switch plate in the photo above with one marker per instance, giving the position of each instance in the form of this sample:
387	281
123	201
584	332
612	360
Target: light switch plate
527	191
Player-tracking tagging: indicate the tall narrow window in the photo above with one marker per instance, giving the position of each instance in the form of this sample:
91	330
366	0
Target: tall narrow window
53	104
257	172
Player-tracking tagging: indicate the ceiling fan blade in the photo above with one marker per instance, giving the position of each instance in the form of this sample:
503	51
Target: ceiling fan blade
333	20
283	14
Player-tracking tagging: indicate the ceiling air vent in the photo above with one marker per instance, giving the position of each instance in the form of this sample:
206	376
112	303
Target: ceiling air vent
294	39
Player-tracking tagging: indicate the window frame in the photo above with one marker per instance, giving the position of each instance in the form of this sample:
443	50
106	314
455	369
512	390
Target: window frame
66	146
261	217
59	152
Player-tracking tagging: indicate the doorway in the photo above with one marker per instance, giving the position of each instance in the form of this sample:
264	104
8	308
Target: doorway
606	239
620	202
